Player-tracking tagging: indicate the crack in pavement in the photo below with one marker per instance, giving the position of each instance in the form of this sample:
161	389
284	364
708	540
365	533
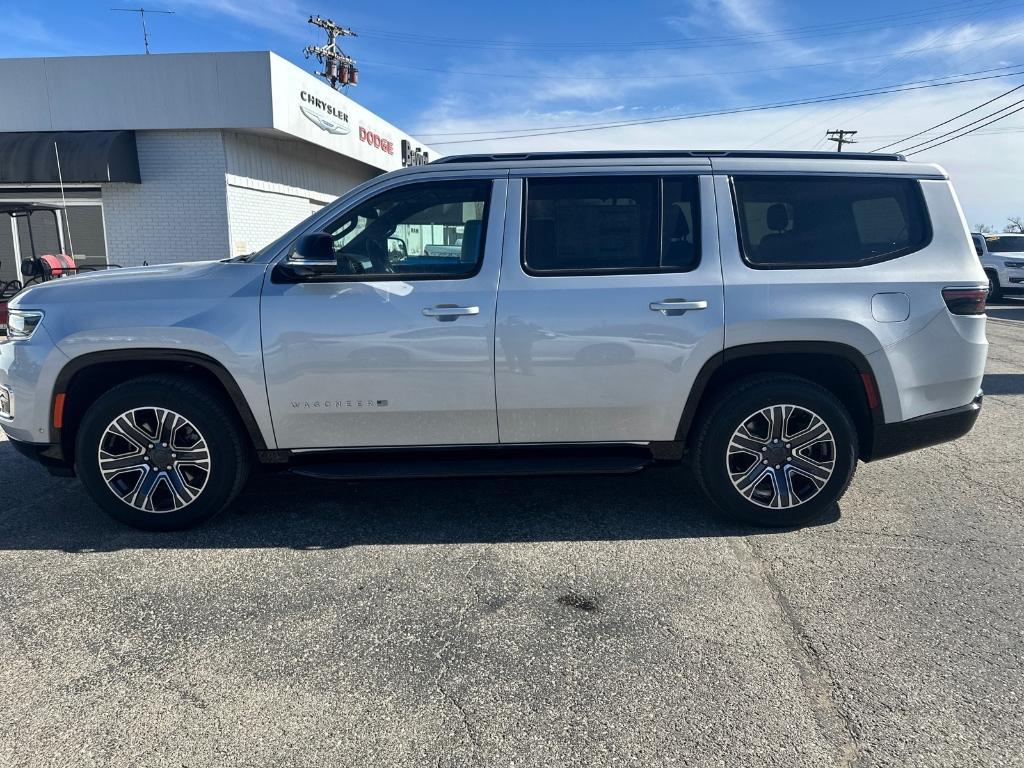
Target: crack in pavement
831	711
439	679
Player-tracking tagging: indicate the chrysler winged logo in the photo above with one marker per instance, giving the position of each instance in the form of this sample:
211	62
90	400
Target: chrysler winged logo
323	115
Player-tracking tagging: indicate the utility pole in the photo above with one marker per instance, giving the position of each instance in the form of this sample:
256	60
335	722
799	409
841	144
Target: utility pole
839	137
338	67
142	15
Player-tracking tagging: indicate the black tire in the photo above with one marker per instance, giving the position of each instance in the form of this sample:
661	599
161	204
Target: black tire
229	456
712	462
995	292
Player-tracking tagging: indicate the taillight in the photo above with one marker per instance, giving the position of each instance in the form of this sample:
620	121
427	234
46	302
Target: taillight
965	301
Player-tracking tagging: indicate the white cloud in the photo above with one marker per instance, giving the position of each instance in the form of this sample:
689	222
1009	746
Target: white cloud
986	169
283	17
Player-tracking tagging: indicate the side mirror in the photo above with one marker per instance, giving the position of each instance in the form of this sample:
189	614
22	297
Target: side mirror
397	249
313	250
977	250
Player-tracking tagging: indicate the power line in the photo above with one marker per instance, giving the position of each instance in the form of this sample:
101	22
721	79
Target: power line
968	133
947	122
968	125
965	77
846	116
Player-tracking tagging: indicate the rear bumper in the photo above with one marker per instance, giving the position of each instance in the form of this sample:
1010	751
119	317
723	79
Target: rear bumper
49	455
923	431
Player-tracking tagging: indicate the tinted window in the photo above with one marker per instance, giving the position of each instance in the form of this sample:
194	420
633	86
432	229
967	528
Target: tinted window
433	229
1005	243
611	224
809	221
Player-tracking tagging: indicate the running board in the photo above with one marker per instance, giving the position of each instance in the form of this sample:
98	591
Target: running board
486	462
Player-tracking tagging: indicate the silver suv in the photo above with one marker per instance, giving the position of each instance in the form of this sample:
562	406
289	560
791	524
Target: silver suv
774	316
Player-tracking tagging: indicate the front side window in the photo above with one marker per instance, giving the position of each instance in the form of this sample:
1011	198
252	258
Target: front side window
430	229
611	224
818	221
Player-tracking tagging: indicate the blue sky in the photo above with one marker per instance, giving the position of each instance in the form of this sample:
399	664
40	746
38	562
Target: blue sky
460	72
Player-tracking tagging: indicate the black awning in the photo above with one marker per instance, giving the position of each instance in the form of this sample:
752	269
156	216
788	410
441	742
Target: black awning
85	156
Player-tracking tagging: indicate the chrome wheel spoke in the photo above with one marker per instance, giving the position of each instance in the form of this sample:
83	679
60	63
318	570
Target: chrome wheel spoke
124	426
781	456
745	442
746	481
114	465
142	498
817	473
818	430
154	459
783	488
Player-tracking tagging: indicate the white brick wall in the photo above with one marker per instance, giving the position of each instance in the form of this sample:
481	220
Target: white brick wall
259	217
207	194
274	184
179	211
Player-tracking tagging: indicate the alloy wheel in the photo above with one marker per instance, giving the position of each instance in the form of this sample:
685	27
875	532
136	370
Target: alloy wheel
781	457
154	459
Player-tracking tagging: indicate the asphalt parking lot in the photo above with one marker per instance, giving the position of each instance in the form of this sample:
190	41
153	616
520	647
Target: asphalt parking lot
582	622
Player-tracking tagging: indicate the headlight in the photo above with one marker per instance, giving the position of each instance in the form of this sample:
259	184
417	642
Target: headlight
1015	264
22	323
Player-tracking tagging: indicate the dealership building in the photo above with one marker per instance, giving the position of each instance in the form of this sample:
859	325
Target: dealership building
175	157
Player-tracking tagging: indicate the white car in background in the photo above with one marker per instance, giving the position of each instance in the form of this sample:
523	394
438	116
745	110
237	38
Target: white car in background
1002	256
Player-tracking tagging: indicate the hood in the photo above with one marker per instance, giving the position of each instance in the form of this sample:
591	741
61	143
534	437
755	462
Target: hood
192	280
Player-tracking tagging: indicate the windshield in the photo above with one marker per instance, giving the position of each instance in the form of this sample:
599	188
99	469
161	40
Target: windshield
1005	243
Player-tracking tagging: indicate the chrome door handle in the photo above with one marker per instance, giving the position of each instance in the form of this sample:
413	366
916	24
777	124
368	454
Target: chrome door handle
448	312
677	306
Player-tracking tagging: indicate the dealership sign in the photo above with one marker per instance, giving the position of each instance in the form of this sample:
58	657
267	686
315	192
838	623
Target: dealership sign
377	141
323	115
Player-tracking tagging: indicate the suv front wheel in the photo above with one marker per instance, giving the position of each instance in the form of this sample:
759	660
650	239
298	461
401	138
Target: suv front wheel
161	453
776	451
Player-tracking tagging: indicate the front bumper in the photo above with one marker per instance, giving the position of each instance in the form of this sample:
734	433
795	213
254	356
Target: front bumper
923	431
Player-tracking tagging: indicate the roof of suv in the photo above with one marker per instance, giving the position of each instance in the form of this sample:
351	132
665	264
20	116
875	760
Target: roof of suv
716	161
664	154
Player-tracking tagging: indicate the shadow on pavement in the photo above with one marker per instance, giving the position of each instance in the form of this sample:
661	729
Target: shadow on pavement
1003	384
1007	309
284	510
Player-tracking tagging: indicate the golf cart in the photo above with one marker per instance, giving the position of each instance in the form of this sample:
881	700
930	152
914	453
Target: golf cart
37	268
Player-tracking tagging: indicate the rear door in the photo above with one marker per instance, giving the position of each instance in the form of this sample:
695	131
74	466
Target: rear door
391	342
610	303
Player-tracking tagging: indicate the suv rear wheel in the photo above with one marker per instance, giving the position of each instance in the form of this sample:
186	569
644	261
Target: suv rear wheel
776	451
161	453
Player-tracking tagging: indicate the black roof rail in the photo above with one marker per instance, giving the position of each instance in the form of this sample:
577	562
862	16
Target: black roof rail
664	153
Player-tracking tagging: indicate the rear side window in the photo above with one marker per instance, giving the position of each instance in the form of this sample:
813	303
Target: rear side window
611	225
816	221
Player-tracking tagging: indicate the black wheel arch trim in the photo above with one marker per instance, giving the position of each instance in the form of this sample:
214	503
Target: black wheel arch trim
210	365
767	349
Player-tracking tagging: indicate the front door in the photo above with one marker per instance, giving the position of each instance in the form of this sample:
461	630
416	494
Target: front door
385	335
610	304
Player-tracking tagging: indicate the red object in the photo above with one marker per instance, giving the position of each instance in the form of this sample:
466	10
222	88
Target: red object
3	314
59	264
870	390
965	301
58	410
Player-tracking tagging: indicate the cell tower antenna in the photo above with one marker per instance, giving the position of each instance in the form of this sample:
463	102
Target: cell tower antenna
142	14
339	69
